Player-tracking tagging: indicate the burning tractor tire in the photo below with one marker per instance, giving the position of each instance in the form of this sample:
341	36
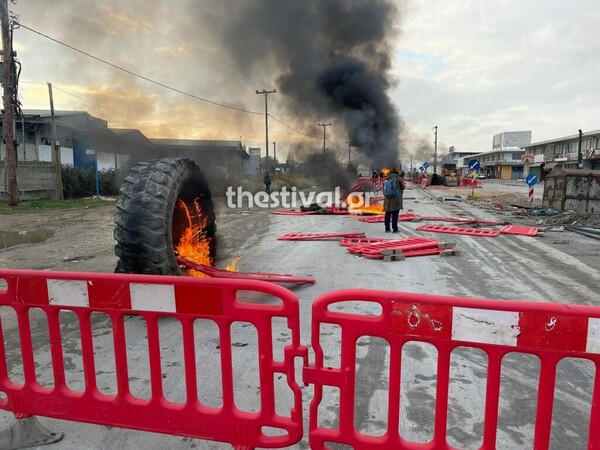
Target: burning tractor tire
164	208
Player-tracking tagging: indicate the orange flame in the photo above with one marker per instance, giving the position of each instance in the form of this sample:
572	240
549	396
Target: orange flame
233	264
192	245
353	199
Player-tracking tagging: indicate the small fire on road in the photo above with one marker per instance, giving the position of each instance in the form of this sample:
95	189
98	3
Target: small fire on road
194	245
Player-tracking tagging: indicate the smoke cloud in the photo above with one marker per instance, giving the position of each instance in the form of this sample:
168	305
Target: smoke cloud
330	60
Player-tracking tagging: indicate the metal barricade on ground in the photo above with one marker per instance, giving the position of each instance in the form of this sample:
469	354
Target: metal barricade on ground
177	303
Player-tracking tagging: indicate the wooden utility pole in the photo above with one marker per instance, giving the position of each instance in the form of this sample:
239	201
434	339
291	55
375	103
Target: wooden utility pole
266	94
324	125
274	152
8	117
56	148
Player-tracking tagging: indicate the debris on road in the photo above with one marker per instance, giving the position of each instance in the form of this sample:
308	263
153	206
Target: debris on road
483	232
213	272
519	230
319	236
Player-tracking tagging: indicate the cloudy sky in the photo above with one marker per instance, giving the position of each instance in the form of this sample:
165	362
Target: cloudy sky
472	68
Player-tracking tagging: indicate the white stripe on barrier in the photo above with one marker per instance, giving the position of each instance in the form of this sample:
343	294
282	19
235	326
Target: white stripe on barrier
153	297
485	326
68	293
593	336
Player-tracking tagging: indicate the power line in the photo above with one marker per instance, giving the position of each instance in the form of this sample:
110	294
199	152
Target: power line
179	91
129	72
220	65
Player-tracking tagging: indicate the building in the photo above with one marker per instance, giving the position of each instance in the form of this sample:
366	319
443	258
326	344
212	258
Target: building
461	159
504	161
226	159
253	166
86	141
511	140
563	152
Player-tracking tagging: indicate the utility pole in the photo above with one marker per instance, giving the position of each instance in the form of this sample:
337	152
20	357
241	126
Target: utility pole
435	151
8	117
274	152
348	137
266	94
324	125
56	149
411	165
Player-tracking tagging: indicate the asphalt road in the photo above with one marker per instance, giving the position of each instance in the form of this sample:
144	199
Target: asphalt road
556	267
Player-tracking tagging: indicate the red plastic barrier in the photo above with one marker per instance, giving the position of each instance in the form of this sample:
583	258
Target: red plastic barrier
337	211
214	272
318	236
287	212
408	242
404	253
402	217
520	230
457	230
549	331
150	298
348	242
462	220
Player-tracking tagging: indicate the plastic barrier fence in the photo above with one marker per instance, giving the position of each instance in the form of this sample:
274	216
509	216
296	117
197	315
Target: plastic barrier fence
32	303
549	331
162	303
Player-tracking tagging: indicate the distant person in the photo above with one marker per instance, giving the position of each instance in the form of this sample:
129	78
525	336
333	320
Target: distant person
375	174
392	202
267	181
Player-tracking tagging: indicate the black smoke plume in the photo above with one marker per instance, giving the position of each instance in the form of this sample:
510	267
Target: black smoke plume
330	61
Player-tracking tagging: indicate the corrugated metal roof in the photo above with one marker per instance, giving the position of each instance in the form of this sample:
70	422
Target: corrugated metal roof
565	138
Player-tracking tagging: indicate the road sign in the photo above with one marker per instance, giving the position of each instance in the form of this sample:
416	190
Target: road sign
531	179
425	165
421	168
474	164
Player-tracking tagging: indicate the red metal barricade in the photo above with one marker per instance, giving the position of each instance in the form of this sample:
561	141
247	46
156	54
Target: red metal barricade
181	300
549	331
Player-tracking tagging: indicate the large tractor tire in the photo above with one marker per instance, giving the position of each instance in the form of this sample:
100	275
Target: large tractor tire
150	218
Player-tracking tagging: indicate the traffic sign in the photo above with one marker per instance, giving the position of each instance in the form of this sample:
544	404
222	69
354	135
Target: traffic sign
421	168
474	165
531	180
425	165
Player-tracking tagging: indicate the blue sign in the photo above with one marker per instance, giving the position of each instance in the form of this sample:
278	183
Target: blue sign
421	168
474	165
425	165
531	180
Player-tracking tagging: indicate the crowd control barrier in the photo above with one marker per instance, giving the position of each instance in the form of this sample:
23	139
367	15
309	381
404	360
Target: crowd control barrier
551	332
179	299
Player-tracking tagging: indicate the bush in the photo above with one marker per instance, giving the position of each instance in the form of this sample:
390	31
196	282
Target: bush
81	183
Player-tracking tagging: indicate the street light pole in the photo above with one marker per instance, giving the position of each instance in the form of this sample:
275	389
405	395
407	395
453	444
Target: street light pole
324	125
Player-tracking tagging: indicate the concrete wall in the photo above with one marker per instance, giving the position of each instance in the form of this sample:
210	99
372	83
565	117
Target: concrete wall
36	180
577	190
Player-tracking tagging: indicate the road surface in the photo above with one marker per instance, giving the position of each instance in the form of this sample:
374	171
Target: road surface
557	267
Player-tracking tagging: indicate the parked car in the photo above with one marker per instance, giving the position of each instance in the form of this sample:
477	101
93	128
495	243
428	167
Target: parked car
481	176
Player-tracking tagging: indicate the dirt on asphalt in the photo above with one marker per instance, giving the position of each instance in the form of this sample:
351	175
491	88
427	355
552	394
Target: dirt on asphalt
81	239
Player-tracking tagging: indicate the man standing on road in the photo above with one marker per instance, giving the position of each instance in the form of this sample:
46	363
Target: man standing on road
267	181
392	202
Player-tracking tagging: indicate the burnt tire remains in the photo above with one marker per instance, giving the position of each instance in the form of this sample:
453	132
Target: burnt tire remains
150	218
